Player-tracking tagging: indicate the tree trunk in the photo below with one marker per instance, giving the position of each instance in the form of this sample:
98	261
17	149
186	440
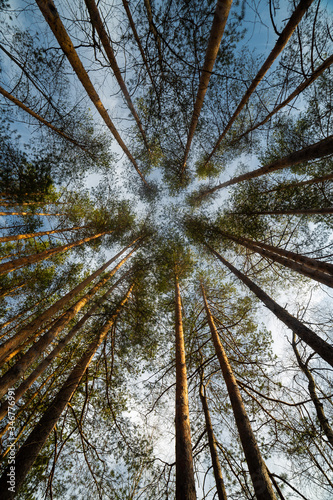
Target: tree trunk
30	449
185	484
257	467
318	150
99	26
324	349
313	270
26	331
51	16
15	372
45	363
291	211
220	488
220	19
32	259
3	239
315	180
323	420
30	213
279	46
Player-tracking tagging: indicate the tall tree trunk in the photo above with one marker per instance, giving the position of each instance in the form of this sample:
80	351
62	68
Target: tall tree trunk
326	64
315	180
32	113
318	150
99	26
51	16
15	372
45	363
32	259
310	268
324	349
30	213
185	484
155	33
279	46
220	488
220	19
37	438
315	264
290	211
257	467
16	237
32	327
323	420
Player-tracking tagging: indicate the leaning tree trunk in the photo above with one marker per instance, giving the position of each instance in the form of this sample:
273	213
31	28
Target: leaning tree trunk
257	467
37	438
7	267
16	237
32	327
15	372
220	19
51	16
323	420
289	211
220	488
45	363
324	349
279	46
185	484
309	153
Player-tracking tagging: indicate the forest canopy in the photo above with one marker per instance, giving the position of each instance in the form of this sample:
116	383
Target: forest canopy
166	249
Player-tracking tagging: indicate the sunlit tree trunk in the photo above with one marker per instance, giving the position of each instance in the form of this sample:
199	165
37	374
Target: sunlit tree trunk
257	467
220	19
279	46
32	327
185	484
52	18
324	349
32	259
4	239
37	438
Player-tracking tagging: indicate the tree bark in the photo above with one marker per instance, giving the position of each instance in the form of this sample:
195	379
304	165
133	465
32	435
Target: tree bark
185	484
317	150
220	19
324	349
15	372
220	488
279	46
51	16
291	211
32	259
99	26
257	467
323	420
3	239
26	331
37	438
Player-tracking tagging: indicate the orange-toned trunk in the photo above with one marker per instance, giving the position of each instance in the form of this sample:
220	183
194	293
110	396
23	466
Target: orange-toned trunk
257	468
16	237
185	484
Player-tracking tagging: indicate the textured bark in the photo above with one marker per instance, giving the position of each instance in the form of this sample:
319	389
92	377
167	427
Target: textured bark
30	449
324	349
52	18
220	488
185	484
318	150
279	46
99	26
17	370
27	330
32	259
3	239
323	420
306	266
45	363
39	118
306	83
220	19
257	467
